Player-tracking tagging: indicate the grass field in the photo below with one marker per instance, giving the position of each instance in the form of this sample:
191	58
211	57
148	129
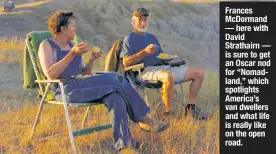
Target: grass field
18	110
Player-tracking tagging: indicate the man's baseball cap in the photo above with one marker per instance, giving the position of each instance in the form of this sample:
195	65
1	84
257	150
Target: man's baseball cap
140	12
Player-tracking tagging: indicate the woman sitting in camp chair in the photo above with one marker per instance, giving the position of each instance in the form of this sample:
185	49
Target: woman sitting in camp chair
59	58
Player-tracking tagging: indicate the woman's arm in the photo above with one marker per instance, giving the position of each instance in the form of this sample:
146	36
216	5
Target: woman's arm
88	67
50	69
94	55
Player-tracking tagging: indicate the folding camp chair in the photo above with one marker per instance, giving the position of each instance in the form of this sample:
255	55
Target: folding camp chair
133	75
33	40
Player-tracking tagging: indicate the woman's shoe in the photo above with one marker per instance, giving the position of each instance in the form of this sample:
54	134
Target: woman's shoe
154	126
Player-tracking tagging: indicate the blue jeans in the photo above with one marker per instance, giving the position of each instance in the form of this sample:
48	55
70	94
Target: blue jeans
119	119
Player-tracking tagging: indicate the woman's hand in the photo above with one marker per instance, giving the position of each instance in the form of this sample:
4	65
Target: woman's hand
96	53
80	48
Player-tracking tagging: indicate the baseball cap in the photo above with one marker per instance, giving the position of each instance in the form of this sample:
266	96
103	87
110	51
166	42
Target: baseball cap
140	11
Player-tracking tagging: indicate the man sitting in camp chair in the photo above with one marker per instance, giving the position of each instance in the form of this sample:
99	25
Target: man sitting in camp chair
142	47
59	58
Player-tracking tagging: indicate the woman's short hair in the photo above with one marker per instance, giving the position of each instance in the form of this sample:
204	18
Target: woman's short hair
59	19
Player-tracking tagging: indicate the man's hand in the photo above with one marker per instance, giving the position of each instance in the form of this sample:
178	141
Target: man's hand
135	58
149	49
80	48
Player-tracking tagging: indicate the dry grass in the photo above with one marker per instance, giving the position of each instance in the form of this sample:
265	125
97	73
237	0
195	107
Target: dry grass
33	4
25	5
11	50
196	1
184	135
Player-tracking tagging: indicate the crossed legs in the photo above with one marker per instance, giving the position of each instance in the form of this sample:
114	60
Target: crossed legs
119	113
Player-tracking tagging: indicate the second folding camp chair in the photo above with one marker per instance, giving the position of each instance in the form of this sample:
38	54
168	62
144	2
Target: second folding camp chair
35	79
132	73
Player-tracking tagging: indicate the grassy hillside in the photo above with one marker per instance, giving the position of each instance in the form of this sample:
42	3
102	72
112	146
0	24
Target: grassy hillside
189	30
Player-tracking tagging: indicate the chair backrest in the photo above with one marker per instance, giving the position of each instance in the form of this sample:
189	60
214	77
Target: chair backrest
31	66
32	69
113	60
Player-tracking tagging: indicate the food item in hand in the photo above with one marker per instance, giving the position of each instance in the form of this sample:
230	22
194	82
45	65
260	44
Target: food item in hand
96	50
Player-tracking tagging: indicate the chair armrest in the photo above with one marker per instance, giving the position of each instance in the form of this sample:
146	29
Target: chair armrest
135	67
91	74
49	81
99	72
177	63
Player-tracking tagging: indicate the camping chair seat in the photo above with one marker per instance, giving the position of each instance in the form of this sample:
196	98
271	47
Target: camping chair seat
74	104
35	79
148	84
133	71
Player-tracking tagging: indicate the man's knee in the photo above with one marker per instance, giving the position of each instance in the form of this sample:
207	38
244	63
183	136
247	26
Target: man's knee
200	74
194	74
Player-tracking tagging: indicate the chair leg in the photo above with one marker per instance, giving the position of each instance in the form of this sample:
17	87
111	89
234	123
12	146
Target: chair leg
85	116
181	104
39	110
159	99
146	97
182	92
68	119
153	109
